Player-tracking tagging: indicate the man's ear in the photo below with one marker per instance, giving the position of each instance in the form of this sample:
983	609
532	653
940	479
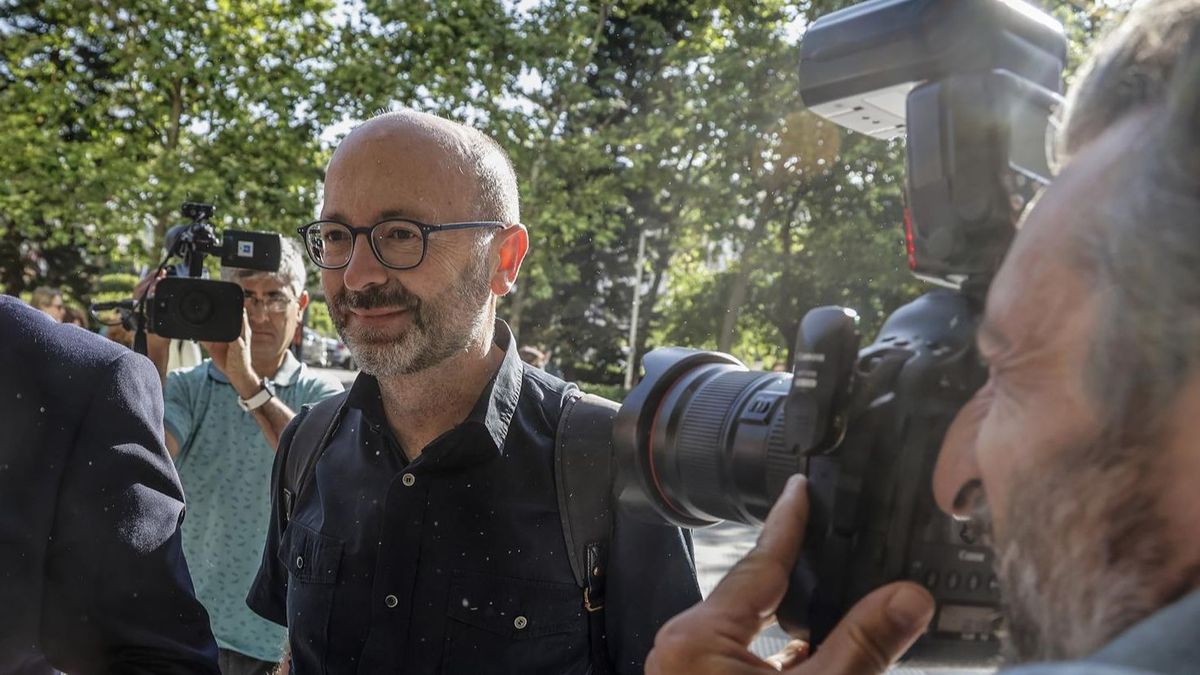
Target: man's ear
511	245
302	301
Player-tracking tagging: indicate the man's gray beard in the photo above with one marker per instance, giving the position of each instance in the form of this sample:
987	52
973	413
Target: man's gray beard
1082	557
450	323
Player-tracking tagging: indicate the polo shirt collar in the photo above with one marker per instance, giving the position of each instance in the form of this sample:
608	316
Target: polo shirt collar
494	409
287	375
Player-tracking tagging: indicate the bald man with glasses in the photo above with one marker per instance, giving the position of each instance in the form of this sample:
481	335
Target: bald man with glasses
429	538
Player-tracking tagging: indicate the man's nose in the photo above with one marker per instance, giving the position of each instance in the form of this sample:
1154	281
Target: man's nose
956	478
364	269
257	313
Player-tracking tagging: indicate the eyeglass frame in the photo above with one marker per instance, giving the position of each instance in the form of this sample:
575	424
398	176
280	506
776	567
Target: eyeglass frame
425	228
257	304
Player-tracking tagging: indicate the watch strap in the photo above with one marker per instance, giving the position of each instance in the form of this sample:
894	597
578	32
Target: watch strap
256	401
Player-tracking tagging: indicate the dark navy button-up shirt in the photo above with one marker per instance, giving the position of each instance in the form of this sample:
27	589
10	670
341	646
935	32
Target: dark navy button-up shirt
455	562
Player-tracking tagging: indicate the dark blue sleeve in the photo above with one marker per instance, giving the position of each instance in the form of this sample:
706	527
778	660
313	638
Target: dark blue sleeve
119	598
268	594
652	577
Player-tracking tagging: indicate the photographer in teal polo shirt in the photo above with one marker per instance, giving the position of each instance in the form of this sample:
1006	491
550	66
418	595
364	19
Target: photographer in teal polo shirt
223	419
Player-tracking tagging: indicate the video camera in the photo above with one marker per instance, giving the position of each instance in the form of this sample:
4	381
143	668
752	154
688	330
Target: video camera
187	305
972	84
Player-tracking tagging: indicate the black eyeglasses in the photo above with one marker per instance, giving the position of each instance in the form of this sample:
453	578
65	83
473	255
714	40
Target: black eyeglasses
397	243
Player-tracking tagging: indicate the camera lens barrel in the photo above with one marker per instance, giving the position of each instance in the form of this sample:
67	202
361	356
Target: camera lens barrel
703	440
196	308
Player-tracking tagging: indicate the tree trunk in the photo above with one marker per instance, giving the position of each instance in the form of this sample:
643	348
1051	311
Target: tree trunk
661	262
741	286
162	222
789	326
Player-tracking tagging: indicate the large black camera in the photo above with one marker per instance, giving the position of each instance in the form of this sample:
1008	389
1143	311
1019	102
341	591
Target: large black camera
972	85
185	304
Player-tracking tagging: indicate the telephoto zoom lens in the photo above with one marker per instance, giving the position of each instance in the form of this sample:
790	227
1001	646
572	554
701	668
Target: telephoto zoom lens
701	440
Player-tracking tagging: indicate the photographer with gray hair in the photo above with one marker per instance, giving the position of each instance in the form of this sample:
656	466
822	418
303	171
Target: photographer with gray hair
1079	454
223	419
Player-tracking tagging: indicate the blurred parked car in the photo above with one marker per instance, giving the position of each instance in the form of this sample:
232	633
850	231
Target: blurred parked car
312	349
338	354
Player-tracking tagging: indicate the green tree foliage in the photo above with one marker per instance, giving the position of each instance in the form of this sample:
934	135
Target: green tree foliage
116	112
319	320
679	120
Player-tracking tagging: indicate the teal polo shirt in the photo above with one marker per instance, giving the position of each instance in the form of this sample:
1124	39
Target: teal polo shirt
225	467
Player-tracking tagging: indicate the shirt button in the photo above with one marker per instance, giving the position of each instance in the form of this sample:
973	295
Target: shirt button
520	622
299	562
391	601
408	479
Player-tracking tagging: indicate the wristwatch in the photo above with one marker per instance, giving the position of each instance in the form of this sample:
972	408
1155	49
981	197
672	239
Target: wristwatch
260	399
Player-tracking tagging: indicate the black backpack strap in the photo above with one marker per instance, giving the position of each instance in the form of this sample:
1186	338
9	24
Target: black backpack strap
316	426
583	477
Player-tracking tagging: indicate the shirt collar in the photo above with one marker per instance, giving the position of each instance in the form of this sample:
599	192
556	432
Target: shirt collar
494	409
287	375
498	402
1161	643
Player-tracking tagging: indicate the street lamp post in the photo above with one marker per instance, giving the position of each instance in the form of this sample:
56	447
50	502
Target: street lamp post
637	303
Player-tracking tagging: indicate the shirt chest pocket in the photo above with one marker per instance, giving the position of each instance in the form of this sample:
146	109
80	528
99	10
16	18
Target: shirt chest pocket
312	560
504	625
310	557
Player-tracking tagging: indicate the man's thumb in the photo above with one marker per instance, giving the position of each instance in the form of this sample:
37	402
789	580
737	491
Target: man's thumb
875	632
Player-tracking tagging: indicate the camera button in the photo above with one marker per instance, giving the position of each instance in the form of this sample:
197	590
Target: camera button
408	479
952	580
973	582
931	579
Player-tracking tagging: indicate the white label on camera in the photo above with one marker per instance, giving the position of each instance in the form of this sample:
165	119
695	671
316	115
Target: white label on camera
245	249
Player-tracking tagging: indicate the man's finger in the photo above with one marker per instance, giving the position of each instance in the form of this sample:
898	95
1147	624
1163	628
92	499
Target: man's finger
246	332
876	632
752	590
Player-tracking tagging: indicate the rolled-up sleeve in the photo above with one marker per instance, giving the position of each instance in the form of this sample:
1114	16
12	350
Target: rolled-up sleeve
178	407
